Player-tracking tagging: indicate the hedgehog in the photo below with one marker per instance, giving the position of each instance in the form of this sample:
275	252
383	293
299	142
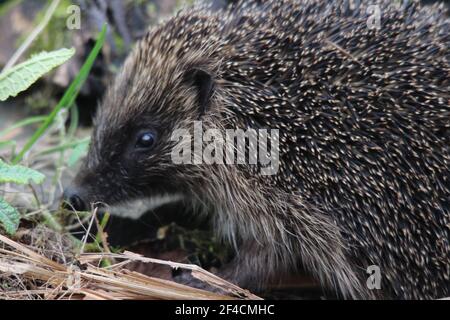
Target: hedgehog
363	119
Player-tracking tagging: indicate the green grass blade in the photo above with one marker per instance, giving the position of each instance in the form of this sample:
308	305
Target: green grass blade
64	146
74	121
69	96
5	144
22	123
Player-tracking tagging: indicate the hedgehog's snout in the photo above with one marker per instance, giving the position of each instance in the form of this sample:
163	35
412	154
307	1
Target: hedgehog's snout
73	199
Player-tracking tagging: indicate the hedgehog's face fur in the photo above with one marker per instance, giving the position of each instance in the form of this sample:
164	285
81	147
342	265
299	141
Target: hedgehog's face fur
130	152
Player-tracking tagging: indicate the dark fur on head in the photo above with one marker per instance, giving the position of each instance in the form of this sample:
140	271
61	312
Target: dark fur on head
364	124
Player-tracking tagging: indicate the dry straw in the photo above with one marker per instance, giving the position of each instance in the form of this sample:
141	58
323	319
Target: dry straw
41	277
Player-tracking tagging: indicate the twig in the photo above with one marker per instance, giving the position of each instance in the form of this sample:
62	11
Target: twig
88	231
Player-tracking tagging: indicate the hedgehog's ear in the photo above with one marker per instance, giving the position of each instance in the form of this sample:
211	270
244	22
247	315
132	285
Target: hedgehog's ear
204	83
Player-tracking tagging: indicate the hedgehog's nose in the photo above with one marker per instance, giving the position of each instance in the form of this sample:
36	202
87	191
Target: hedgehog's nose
73	200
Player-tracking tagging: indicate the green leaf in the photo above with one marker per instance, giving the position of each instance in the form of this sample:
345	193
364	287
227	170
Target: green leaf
78	152
9	217
19	174
69	96
22	76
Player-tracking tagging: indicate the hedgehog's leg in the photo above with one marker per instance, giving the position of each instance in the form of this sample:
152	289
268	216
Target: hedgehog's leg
252	267
287	233
257	264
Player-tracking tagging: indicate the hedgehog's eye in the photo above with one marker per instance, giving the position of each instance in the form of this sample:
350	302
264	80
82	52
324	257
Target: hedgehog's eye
145	140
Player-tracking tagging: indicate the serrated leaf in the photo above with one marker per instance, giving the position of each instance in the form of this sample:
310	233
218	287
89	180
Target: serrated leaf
22	76
9	217
19	174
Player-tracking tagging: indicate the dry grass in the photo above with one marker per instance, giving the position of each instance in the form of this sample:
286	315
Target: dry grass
27	274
